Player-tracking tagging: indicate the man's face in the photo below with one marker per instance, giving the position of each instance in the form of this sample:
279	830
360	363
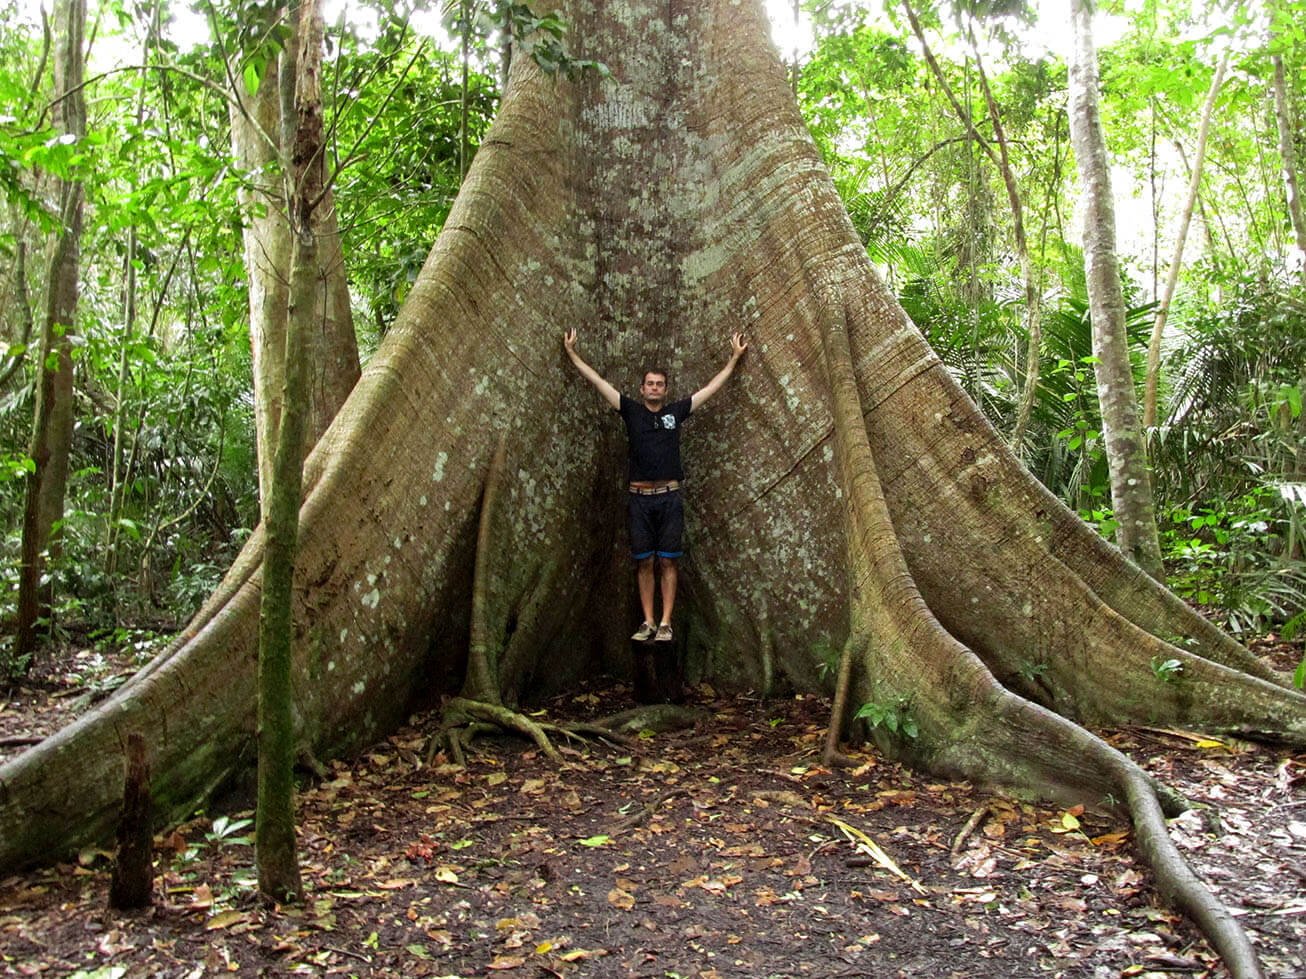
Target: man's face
654	389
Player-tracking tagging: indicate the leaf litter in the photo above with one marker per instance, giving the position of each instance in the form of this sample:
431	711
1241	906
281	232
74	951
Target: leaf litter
725	850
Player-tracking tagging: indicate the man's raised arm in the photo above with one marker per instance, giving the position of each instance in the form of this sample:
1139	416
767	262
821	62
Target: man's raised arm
610	394
737	346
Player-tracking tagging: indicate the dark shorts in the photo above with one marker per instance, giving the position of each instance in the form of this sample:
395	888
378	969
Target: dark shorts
657	524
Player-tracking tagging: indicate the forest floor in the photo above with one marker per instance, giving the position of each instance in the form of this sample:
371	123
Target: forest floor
722	850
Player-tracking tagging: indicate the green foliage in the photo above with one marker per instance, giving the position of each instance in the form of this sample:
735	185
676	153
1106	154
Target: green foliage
1167	670
1230	452
226	831
393	205
1032	673
895	717
539	36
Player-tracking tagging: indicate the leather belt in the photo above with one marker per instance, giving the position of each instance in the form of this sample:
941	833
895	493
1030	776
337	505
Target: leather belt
670	487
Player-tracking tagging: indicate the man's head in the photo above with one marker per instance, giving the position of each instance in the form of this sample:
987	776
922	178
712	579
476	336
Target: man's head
654	388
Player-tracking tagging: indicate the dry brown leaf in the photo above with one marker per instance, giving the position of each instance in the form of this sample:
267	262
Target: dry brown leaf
225	920
202	898
620	899
577	954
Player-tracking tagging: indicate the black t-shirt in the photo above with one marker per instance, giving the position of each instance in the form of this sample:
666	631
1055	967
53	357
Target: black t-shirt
654	438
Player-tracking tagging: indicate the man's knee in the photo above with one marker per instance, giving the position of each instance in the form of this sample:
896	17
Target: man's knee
645	563
667	563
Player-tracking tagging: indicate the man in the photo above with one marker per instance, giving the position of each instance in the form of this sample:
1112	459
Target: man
654	475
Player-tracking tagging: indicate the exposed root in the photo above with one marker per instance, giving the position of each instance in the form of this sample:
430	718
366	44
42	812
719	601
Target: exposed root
461	713
1177	882
831	755
977	727
658	718
642	815
465	720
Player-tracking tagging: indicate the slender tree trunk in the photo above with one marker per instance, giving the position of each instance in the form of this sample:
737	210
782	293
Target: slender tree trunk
52	426
1288	155
21	303
465	58
278	868
1131	485
262	127
129	305
1181	237
1001	159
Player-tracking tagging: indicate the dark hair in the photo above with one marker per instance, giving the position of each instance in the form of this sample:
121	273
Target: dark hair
655	370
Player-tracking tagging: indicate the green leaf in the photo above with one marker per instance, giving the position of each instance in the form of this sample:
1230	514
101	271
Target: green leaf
600	840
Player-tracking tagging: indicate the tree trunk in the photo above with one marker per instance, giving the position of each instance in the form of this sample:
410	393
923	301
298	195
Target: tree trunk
1131	485
1176	263
262	129
1001	159
278	867
843	488
1288	155
52	424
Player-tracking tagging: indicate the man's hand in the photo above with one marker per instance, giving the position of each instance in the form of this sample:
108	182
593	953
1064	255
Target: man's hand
737	347
606	390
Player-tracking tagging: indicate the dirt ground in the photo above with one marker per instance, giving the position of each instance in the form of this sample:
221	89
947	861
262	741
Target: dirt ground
721	850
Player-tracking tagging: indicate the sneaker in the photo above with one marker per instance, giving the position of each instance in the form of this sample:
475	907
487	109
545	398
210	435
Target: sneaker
645	632
664	632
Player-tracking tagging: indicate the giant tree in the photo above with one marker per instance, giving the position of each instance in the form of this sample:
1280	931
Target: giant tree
849	494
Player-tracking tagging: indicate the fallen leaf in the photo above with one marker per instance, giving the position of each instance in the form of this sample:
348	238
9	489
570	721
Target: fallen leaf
202	898
1111	839
620	899
225	920
577	954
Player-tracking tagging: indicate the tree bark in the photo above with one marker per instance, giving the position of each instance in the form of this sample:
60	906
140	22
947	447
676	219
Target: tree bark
278	867
132	883
52	423
262	130
1288	155
1181	237
1131	484
843	487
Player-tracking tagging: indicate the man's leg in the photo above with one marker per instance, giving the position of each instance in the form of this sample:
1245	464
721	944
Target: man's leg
671	527
644	575
669	573
643	543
